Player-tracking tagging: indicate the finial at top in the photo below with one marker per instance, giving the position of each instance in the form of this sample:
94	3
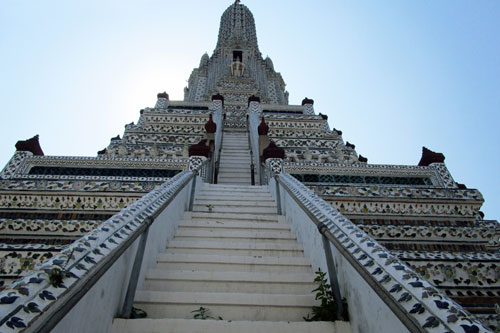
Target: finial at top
237	2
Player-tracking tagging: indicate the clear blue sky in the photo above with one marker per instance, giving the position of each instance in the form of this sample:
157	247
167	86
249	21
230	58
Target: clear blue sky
392	75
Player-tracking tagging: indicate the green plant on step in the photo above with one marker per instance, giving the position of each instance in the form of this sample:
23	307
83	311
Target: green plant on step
327	310
138	313
203	314
57	274
210	208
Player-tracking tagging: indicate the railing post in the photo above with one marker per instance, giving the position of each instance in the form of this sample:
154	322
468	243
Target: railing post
193	190
217	161
252	169
278	196
216	172
136	269
332	271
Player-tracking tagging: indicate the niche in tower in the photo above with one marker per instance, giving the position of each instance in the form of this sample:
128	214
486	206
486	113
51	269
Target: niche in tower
238	56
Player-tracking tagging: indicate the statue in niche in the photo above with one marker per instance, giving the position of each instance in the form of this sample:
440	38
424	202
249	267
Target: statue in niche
237	68
122	150
154	151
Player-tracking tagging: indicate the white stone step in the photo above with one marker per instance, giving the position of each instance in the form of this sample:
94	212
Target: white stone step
235	150
230	203
232	225
234	160
225	189
234	146
225	326
234	209
231	160
235	153
245	248
236	236
232	263
237	170
232	216
230	306
234	180
230	282
229	172
242	167
228	156
262	188
230	196
235	165
229	181
234	191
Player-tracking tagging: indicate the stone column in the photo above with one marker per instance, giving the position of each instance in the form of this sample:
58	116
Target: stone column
308	106
197	163
210	128
264	141
254	104
217	104
274	165
162	102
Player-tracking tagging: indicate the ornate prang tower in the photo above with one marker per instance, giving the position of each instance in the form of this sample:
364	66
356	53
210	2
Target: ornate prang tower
235	115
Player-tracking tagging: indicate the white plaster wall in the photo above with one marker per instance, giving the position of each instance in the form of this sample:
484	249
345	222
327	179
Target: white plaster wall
306	231
217	118
367	311
254	141
96	310
103	302
163	229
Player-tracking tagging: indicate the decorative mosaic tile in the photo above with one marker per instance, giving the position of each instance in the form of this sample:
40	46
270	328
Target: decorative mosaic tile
16	263
446	256
437	234
459	274
22	200
416	208
78	185
47	227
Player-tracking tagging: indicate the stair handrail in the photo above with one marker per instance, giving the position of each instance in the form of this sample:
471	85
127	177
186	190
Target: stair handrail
253	123
408	296
219	151
218	118
84	262
252	165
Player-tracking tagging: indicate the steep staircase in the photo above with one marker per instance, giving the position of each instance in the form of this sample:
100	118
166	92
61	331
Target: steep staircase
235	158
236	257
